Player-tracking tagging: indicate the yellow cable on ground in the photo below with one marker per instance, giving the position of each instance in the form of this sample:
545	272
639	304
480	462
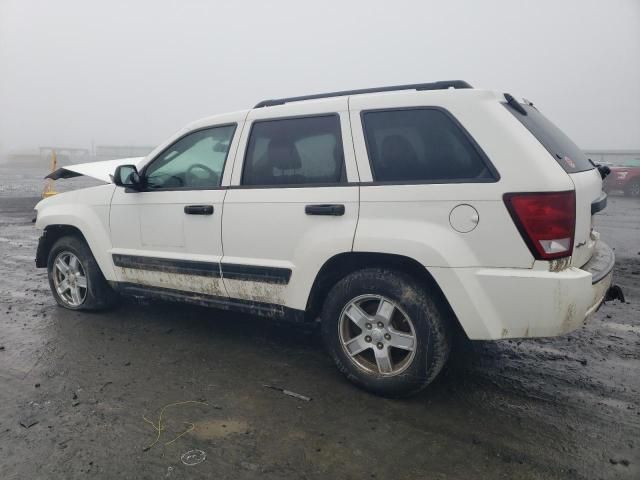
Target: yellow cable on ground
191	427
159	427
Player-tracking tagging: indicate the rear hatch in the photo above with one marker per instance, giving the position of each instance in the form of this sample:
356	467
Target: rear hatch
588	184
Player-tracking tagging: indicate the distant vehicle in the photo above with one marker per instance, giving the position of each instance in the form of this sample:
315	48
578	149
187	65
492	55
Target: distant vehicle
625	177
393	216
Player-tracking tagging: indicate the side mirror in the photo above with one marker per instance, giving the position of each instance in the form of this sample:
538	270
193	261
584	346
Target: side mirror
127	176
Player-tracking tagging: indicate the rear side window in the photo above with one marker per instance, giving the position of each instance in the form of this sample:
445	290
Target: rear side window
294	151
423	145
566	153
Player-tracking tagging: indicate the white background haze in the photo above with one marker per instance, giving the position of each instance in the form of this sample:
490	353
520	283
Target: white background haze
133	72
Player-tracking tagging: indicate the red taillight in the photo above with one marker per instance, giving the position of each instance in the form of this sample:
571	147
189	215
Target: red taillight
546	221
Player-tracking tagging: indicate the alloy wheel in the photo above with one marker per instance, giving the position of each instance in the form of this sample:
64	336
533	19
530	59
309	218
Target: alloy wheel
377	335
69	279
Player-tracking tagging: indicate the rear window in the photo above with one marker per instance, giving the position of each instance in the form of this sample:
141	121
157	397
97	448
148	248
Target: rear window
566	153
423	145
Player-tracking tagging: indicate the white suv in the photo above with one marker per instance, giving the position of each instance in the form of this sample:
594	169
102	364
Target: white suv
394	216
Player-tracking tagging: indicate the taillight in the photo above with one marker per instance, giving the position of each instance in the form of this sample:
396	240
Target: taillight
546	221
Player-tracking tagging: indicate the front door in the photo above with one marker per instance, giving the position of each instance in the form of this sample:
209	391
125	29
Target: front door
168	237
292	203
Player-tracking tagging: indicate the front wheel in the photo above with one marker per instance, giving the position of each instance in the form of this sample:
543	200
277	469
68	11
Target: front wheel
75	277
386	332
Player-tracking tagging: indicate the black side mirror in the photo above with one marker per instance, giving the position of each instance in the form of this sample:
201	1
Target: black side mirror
127	176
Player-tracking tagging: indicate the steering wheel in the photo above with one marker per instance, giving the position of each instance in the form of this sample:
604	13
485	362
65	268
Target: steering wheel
194	179
164	180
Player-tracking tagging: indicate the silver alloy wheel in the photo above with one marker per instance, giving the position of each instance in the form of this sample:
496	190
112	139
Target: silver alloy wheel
635	189
69	279
377	335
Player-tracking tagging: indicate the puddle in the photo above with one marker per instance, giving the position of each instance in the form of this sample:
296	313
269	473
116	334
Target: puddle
218	428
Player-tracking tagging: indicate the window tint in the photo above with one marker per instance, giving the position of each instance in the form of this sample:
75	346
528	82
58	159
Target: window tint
566	153
420	145
294	151
195	161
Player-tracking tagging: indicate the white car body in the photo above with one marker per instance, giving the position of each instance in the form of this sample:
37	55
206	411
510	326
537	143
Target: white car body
270	253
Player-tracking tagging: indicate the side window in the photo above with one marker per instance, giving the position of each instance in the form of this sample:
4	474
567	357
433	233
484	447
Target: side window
421	145
195	161
294	151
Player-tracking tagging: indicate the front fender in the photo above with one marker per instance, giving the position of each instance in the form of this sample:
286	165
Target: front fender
88	211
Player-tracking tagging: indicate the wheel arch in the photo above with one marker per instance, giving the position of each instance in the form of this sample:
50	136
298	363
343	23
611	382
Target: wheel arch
51	234
341	265
54	231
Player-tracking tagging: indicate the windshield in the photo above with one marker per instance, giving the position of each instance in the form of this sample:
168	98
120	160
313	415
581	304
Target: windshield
561	147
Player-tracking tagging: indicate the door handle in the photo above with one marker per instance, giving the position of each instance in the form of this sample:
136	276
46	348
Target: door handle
198	209
335	210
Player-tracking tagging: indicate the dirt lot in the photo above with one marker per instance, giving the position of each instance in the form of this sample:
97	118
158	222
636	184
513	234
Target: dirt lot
76	387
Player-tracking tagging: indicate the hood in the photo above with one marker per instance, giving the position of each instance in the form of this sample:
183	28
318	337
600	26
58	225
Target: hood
98	170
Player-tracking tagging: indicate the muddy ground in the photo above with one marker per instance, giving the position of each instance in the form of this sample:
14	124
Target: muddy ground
75	389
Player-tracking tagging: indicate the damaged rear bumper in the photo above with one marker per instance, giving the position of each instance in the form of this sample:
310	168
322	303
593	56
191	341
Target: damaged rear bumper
601	269
495	303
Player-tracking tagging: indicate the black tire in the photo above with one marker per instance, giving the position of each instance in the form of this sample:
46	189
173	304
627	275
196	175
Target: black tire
633	189
98	295
428	315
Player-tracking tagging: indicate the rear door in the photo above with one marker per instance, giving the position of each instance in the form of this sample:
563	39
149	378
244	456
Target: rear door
586	178
292	203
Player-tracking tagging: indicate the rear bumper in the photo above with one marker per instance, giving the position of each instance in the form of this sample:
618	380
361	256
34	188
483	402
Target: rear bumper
514	303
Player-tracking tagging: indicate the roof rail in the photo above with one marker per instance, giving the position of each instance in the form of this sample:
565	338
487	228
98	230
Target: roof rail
442	85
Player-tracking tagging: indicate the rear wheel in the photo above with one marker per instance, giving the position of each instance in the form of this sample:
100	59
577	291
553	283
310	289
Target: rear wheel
633	189
386	332
75	278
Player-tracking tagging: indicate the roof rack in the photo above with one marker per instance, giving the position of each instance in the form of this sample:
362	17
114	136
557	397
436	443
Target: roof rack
442	85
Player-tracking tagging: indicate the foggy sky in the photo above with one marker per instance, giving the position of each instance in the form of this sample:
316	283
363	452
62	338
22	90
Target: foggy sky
133	72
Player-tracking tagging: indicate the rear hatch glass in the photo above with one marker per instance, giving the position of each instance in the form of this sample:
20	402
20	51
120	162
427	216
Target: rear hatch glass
566	153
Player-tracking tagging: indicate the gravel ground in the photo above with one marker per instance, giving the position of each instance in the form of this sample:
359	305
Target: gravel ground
77	387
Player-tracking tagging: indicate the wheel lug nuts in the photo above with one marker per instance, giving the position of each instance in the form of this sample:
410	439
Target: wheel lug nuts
380	345
367	339
380	324
387	336
368	325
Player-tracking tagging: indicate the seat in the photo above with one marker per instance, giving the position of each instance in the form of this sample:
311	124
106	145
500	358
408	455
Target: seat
283	155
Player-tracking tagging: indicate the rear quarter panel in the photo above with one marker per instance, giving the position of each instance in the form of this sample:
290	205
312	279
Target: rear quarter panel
413	220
